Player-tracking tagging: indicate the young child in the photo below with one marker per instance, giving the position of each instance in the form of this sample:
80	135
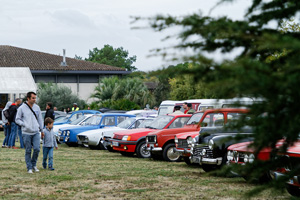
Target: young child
49	142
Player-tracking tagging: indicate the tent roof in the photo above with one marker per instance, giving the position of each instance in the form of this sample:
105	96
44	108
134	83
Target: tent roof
16	80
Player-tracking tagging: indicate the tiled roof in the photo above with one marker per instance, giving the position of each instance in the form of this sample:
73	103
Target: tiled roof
18	57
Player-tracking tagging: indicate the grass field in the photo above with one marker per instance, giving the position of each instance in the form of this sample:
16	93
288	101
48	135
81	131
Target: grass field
81	173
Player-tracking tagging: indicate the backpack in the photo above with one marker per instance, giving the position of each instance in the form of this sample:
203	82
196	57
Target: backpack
6	113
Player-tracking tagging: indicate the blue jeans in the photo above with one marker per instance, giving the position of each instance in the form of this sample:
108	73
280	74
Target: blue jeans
13	134
31	141
20	137
48	153
7	134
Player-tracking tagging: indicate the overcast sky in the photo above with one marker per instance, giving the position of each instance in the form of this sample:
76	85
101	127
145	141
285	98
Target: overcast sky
80	25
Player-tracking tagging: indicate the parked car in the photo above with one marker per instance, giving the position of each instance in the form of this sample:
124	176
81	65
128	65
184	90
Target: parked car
76	123
94	138
210	151
56	114
75	115
143	113
99	121
130	142
208	118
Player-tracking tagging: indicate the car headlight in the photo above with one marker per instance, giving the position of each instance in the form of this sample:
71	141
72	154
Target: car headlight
59	133
68	133
229	155
236	156
189	140
126	137
176	139
246	158
251	158
211	144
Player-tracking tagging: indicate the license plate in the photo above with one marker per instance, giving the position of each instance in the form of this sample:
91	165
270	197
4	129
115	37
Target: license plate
115	143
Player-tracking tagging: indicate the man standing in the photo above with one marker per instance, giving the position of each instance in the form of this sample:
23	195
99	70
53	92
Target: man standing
75	107
14	127
29	117
49	111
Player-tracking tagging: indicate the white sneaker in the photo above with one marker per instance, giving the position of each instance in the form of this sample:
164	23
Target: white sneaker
36	169
30	171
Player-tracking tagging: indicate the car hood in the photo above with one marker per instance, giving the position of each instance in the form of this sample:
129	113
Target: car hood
134	131
184	135
57	127
172	131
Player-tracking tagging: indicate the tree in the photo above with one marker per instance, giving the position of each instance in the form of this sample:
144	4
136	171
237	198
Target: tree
251	73
132	89
60	96
115	57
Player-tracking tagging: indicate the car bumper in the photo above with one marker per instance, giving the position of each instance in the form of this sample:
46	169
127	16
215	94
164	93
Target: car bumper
151	148
184	152
211	161
126	146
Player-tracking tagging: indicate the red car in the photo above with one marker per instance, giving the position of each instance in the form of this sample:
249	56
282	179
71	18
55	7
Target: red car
134	141
163	142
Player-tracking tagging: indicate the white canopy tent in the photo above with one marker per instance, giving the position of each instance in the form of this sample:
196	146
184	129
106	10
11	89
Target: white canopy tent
16	80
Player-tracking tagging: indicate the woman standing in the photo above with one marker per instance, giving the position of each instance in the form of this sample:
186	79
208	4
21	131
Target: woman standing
6	125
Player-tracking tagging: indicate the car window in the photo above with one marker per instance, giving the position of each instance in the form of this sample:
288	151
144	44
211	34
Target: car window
161	122
93	120
126	123
145	123
195	118
179	122
121	119
108	121
75	116
76	121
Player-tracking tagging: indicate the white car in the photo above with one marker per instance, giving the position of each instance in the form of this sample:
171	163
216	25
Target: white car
94	138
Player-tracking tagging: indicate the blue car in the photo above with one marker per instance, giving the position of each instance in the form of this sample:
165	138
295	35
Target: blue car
68	134
74	115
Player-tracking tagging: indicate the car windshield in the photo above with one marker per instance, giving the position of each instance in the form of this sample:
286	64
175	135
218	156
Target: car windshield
61	119
160	122
195	118
145	123
77	121
163	110
126	123
93	120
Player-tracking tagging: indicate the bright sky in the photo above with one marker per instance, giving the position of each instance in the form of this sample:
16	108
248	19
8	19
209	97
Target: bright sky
81	25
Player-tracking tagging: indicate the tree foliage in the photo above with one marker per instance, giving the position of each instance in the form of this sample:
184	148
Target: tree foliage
251	73
132	89
60	96
117	57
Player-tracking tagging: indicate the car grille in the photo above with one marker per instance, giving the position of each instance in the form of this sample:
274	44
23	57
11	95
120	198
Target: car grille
182	144
151	139
81	137
198	152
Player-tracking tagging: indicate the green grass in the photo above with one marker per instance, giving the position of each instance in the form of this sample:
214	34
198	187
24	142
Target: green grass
81	173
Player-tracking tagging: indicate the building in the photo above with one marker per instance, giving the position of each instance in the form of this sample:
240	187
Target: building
79	75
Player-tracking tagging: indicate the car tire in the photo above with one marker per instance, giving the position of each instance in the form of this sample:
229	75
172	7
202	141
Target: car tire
293	190
141	151
170	155
128	154
110	149
72	144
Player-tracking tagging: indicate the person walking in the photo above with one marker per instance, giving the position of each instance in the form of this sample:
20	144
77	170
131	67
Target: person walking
20	133
6	125
29	117
14	127
49	142
49	110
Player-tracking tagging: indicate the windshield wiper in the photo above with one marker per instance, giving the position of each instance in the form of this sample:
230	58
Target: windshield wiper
150	127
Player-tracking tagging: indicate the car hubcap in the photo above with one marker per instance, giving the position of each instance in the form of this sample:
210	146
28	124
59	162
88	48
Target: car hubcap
172	155
144	152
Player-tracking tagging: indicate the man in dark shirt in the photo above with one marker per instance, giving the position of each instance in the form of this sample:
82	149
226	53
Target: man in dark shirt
14	127
49	111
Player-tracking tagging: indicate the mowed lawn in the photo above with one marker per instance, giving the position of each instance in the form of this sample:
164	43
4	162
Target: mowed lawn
81	173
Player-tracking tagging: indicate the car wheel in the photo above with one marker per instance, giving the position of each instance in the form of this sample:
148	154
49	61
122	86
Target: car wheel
93	147
141	150
72	144
170	155
128	154
293	190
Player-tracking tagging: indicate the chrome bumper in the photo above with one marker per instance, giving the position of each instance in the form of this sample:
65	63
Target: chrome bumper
211	161
182	151
154	149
